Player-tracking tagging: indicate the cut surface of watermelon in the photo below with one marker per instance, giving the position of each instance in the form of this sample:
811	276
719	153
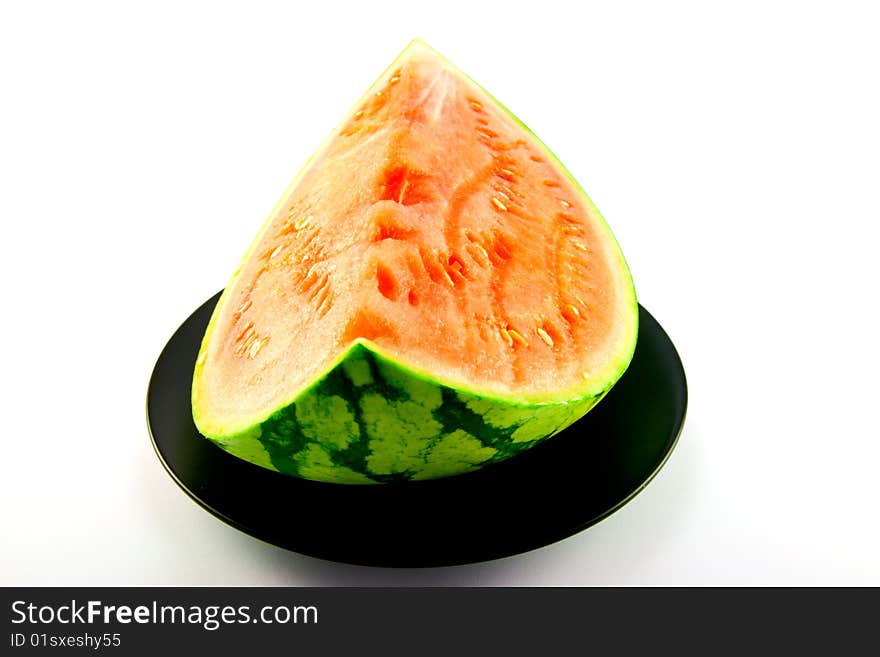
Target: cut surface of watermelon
433	264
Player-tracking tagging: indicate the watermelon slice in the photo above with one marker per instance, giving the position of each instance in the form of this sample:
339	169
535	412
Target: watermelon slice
433	292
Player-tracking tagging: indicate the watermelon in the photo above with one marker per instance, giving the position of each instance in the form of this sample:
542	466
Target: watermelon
432	293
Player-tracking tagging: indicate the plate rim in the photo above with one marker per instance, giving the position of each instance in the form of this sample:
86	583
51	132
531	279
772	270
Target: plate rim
550	538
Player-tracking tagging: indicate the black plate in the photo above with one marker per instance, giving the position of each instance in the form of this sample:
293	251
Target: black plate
551	491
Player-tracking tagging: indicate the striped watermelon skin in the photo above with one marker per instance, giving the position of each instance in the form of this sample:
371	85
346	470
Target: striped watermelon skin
369	420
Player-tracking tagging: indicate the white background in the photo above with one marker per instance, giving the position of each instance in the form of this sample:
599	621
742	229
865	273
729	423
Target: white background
734	150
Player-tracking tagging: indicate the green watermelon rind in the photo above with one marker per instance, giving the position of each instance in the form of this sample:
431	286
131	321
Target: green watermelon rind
371	419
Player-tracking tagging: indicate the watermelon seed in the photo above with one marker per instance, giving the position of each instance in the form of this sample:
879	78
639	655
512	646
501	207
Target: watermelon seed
447	276
394	79
325	302
507	337
245	346
503	195
519	338
256	346
310	278
579	245
545	336
509	191
482	261
564	203
507	174
574	310
406	186
275	251
320	293
243	307
358	114
302	223
309	281
498	204
247	331
402	193
457	275
456	264
307	242
551	183
476	106
568	315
